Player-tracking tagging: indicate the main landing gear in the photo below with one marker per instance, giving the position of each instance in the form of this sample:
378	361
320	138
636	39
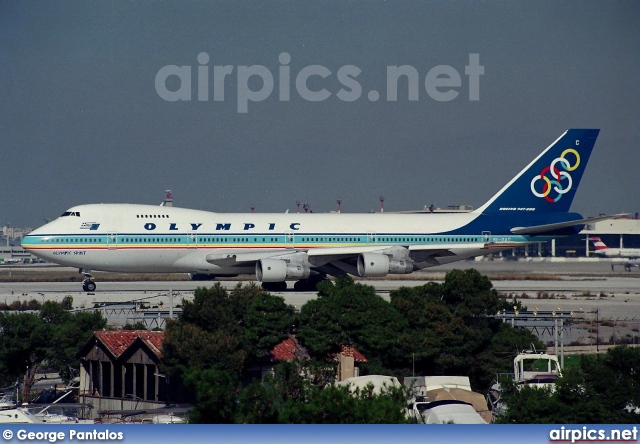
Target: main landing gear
274	286
88	284
310	284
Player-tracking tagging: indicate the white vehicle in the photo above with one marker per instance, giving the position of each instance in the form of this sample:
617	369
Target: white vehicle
537	370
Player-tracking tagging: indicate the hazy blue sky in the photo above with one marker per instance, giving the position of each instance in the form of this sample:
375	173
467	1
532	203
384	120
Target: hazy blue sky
81	120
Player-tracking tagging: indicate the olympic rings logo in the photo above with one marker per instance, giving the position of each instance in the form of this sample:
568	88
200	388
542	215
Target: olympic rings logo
560	180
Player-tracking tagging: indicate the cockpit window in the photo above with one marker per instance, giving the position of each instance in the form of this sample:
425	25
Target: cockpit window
71	213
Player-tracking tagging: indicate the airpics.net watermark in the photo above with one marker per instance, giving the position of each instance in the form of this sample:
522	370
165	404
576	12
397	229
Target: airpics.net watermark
256	83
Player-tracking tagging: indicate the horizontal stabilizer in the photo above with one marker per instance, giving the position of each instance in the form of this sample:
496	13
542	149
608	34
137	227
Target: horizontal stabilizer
540	229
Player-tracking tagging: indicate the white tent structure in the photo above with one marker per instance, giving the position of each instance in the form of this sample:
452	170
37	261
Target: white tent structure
379	383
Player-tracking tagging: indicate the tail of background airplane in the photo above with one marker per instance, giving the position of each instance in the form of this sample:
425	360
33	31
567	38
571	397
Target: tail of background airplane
598	243
549	182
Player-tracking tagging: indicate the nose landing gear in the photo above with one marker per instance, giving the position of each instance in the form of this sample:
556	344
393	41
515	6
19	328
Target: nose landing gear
88	284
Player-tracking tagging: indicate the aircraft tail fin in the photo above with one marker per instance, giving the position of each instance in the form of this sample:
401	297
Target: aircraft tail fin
550	181
598	243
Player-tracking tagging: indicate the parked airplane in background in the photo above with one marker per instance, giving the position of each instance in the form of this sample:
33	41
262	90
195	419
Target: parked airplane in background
603	251
306	247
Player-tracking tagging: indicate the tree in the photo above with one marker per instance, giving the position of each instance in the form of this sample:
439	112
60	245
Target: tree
267	321
216	395
208	333
67	302
469	293
215	337
22	347
432	331
451	330
54	336
349	312
288	396
67	335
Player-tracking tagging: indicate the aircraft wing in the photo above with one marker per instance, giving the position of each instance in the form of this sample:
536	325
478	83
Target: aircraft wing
322	255
345	251
546	228
231	257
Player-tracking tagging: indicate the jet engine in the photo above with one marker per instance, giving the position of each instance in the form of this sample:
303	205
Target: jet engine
277	270
377	265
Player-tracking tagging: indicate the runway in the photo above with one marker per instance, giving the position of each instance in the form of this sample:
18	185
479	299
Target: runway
579	285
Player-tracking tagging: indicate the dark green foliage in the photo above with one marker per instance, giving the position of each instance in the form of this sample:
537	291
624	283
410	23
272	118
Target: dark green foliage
216	395
438	328
498	351
469	293
337	405
288	397
258	404
67	302
267	321
450	329
224	331
31	305
208	332
349	312
71	332
513	304
21	344
54	336
603	389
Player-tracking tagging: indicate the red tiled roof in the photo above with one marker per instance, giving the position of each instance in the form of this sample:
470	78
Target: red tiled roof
118	341
358	357
347	350
288	350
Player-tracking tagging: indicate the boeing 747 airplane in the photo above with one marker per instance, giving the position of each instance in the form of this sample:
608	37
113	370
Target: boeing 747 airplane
532	207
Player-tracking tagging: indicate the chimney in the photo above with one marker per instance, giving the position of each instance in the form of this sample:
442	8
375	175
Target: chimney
346	363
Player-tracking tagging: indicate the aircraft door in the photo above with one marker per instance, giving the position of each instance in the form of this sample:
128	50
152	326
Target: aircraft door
371	238
487	236
289	239
192	240
112	241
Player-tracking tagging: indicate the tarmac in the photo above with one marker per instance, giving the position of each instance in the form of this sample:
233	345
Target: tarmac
585	287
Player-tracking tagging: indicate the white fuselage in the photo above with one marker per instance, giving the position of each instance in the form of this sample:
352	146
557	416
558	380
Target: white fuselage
145	238
619	252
